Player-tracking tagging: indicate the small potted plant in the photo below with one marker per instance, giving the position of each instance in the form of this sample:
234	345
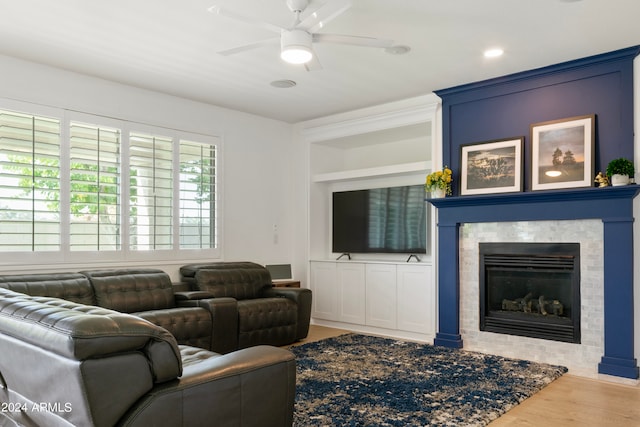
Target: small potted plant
438	183
620	170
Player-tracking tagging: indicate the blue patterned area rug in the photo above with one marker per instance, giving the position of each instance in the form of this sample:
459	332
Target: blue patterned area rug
357	380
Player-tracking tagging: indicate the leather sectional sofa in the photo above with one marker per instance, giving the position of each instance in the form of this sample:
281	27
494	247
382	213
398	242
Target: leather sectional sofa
68	364
172	330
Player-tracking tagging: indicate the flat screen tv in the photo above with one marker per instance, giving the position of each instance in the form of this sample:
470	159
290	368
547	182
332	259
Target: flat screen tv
380	220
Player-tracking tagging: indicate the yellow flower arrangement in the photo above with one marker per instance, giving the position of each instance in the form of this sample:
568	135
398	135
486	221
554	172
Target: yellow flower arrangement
439	179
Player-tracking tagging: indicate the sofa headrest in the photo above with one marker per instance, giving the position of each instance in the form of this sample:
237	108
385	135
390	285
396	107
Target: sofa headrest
190	270
70	286
132	290
241	283
81	332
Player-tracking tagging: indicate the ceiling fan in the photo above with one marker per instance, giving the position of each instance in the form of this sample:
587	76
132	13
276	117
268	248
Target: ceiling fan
296	41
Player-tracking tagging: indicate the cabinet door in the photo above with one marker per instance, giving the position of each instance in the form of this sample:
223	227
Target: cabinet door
416	299
351	300
325	290
381	295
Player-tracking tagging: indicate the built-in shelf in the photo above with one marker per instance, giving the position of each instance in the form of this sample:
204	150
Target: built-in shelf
380	171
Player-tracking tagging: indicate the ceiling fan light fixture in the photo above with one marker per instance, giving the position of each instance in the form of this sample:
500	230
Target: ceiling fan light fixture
296	55
296	47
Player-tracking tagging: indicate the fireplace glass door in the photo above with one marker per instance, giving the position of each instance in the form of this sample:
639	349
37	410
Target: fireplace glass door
531	289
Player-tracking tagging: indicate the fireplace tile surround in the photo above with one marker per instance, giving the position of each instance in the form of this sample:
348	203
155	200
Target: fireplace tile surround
580	358
601	220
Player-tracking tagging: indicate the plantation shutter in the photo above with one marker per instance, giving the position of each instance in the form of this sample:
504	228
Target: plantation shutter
197	195
29	183
95	187
151	192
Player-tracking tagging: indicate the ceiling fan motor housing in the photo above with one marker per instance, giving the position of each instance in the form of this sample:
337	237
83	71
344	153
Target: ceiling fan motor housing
296	46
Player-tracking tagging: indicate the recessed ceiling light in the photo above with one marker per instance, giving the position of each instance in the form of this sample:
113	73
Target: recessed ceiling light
493	53
283	84
397	50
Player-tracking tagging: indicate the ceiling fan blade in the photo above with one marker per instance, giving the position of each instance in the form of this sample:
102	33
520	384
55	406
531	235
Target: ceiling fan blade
314	64
319	18
266	42
244	19
353	40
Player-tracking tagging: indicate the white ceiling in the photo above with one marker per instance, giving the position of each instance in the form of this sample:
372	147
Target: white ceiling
170	46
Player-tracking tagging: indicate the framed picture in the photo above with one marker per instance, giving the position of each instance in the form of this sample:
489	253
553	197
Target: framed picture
491	167
562	153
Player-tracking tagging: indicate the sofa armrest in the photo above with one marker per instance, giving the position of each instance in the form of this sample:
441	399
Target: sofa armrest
250	387
300	296
224	321
191	295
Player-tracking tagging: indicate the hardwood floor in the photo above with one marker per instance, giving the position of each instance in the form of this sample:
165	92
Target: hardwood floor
569	401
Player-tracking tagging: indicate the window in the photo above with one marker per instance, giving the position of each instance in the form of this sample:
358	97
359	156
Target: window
95	187
197	195
78	186
151	192
29	183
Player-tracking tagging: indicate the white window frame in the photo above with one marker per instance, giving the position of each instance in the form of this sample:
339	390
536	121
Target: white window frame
65	255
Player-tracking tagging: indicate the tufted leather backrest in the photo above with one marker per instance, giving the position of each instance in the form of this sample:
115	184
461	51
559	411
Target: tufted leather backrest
70	286
188	272
82	332
132	290
238	283
97	361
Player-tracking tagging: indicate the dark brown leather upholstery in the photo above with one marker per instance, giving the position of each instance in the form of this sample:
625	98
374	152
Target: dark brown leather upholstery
189	271
130	290
96	367
148	293
263	314
70	286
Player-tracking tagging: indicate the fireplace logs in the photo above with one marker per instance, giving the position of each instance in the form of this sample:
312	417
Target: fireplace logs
527	304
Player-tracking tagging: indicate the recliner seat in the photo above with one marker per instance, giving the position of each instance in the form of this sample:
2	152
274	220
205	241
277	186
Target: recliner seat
259	312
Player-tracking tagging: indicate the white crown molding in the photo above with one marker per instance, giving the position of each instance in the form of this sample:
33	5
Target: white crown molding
387	116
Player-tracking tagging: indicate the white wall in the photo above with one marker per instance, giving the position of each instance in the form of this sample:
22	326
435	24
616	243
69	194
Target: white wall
257	160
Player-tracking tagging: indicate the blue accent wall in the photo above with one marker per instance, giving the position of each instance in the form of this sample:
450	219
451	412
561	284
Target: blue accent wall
505	107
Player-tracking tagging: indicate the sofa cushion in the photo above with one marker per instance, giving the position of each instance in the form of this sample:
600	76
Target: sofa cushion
235	283
70	286
266	321
189	325
132	290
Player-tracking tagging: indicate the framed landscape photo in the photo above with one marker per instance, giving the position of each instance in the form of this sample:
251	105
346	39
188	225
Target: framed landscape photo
491	167
562	153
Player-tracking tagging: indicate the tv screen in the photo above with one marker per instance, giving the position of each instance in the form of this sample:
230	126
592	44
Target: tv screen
380	220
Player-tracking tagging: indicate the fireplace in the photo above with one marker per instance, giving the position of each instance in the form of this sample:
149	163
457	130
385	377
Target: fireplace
530	289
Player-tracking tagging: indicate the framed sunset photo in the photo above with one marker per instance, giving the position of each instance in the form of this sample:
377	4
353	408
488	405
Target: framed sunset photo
562	153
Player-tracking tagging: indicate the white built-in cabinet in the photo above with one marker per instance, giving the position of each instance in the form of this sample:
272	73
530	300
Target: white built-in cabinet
325	297
381	298
383	146
388	298
351	292
417	292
